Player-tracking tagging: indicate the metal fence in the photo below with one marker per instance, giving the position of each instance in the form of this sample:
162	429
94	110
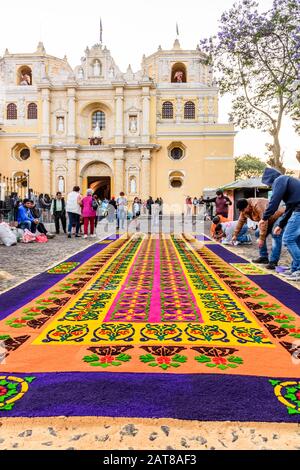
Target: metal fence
12	189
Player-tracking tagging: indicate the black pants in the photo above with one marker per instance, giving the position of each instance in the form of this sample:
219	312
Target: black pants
60	216
40	227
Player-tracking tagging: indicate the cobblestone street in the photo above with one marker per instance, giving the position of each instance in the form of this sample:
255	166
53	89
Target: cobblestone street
21	262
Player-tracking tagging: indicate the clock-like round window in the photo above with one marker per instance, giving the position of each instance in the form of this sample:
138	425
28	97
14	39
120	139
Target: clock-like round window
176	153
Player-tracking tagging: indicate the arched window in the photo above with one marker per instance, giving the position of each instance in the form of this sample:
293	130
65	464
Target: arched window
12	111
32	111
167	110
98	116
189	110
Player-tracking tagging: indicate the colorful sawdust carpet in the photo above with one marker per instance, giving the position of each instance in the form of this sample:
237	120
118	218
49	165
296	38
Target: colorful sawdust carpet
152	326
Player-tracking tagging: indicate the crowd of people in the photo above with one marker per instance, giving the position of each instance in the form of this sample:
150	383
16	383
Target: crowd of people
220	202
74	214
278	218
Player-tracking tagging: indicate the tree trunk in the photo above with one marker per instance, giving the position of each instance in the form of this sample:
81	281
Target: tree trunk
275	159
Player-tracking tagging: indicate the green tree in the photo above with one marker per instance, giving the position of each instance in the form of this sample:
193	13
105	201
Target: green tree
256	58
248	166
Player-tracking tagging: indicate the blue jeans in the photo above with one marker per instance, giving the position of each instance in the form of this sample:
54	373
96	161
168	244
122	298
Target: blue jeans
276	245
121	216
291	240
242	236
74	219
31	226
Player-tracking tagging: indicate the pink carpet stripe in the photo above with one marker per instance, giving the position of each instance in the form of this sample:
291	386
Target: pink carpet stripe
155	308
120	293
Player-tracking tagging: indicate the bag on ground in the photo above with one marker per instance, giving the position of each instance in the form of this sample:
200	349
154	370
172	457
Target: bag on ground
7	237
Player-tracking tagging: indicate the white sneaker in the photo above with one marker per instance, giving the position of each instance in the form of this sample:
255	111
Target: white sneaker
287	273
93	236
294	277
84	236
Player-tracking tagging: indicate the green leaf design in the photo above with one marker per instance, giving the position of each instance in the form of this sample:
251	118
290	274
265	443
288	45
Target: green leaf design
292	389
203	359
222	367
147	358
211	364
274	382
91	358
4	337
29	379
292	411
123	357
179	358
236	360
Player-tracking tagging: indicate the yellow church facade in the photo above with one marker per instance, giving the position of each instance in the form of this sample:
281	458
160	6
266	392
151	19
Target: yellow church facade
152	132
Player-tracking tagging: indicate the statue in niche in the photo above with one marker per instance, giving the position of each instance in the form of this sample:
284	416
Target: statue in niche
132	185
80	74
111	72
61	184
178	77
97	68
133	124
25	79
60	124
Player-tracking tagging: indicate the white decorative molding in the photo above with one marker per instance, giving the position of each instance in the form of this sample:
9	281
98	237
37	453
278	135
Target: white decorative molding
219	158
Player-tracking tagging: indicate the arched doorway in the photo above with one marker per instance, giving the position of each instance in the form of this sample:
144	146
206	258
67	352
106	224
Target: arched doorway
101	185
97	176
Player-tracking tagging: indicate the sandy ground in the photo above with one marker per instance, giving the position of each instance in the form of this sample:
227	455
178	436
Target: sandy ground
92	433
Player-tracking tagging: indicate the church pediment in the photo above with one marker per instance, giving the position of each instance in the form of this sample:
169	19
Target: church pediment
133	109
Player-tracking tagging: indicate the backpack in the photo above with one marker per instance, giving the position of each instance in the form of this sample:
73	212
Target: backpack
94	204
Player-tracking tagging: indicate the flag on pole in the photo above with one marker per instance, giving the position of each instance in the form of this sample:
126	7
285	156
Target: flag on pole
101	31
177	29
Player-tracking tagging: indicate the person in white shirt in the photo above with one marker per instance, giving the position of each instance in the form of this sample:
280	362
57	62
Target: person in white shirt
121	210
224	232
73	208
136	212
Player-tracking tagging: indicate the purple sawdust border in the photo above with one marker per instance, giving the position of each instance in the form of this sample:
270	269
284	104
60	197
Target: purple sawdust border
280	290
202	397
16	297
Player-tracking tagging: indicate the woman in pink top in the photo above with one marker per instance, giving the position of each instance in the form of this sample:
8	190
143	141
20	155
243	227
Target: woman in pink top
88	213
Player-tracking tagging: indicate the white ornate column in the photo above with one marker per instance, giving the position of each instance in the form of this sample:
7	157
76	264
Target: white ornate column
179	109
201	109
119	130
45	116
46	171
146	115
71	115
72	169
145	174
211	109
119	183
